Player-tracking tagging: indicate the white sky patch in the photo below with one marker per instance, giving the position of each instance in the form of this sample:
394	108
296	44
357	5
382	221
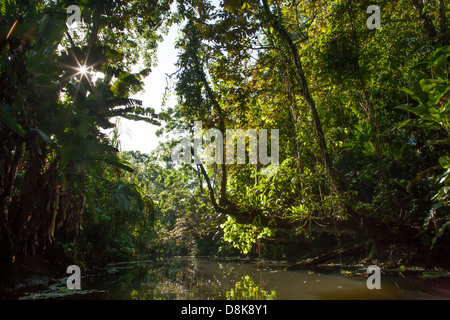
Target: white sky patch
142	135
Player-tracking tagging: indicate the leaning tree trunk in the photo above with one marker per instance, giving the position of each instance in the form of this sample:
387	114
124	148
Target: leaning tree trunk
304	91
218	108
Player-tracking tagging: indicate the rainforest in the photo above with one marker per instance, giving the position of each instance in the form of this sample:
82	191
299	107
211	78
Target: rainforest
354	119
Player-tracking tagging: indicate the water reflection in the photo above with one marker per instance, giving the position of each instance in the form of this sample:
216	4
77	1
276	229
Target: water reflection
247	289
200	278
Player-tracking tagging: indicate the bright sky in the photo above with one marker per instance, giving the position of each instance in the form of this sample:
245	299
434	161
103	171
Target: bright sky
140	135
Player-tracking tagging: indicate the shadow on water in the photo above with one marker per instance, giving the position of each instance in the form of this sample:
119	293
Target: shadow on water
188	278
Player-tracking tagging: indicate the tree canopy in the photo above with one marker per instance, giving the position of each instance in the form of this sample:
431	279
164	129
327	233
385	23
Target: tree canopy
363	120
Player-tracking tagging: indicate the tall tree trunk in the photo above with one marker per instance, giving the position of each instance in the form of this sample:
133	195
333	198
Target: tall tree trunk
304	91
294	112
223	181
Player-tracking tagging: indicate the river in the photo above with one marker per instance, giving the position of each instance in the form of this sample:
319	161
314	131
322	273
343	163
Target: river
191	278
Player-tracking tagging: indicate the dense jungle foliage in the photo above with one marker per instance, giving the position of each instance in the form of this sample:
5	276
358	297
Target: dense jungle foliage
363	118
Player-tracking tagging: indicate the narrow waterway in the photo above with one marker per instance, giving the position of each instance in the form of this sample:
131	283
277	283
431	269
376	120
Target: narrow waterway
204	278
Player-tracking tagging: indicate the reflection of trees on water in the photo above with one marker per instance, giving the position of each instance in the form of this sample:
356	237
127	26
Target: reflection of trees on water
247	289
175	279
168	280
188	279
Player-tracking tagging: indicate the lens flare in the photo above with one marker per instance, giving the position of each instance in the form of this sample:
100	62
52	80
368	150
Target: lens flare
83	70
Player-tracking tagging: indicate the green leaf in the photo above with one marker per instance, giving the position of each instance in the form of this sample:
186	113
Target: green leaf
420	111
445	162
115	162
369	148
419	123
437	142
427	85
44	136
11	123
417	94
436	89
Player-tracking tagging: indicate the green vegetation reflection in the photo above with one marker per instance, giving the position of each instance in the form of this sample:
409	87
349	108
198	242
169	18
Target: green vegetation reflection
247	289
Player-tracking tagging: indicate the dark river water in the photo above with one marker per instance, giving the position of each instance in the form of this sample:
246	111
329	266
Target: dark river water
188	278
